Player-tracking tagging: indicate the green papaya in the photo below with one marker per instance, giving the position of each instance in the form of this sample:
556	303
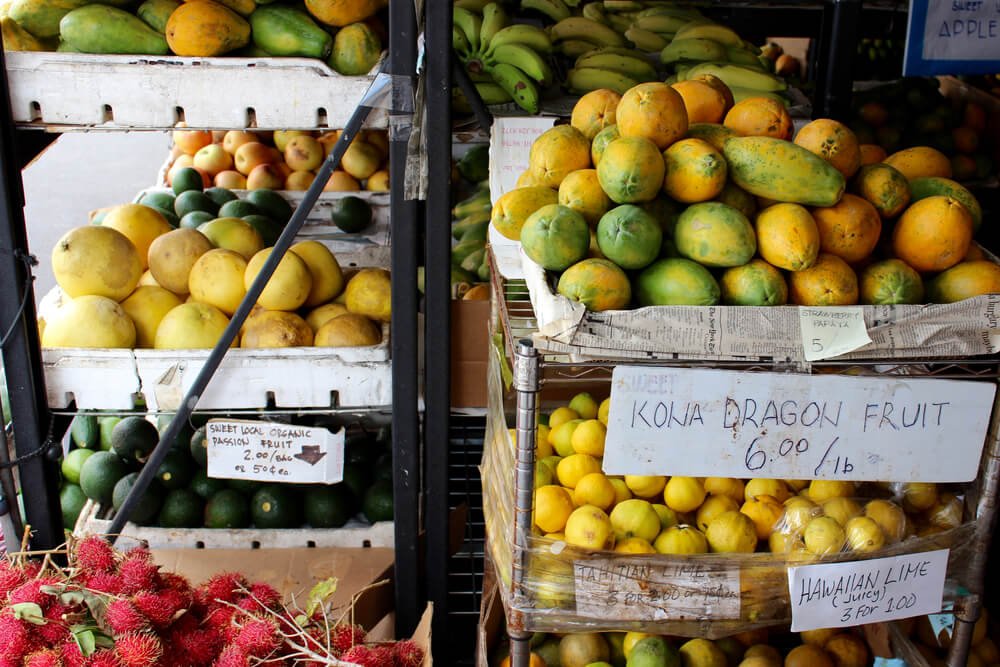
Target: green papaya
156	12
102	29
356	50
284	31
41	17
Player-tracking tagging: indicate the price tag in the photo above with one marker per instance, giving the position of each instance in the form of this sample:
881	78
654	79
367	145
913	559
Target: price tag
840	595
270	452
955	37
832	331
787	426
631	589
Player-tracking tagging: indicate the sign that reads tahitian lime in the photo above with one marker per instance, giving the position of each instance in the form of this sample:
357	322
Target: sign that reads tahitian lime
272	452
952	37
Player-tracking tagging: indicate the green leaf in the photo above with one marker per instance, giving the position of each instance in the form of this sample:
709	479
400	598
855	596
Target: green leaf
30	612
86	641
319	594
70	598
103	641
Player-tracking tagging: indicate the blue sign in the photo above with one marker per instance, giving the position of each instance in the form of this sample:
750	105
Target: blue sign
952	37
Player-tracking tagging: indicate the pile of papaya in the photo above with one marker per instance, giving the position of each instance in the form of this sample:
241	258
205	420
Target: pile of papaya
347	34
657	198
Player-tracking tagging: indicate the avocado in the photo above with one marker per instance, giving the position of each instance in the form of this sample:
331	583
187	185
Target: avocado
187	178
328	506
182	508
227	509
145	510
351	214
100	473
194	200
378	503
176	470
275	506
133	439
205	486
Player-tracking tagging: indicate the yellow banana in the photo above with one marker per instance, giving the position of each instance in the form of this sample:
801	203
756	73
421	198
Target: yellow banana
714	31
618	22
693	49
518	85
740	57
586	79
528	35
595	12
740	77
660	23
645	40
635	68
470	24
525	59
494	20
554	9
583	29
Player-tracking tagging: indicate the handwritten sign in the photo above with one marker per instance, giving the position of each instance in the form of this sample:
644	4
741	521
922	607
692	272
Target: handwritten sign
702	422
271	452
631	589
840	595
952	37
830	332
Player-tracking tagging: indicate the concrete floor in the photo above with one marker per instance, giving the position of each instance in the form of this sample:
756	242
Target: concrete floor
78	173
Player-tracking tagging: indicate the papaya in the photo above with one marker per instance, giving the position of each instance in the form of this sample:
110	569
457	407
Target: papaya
714	133
41	17
206	28
356	50
155	13
103	29
16	38
343	12
929	186
241	7
780	170
286	31
715	235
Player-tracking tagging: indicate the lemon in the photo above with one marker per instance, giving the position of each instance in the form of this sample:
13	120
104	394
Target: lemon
543	447
369	293
561	416
645	486
759	661
824	536
763	651
817	637
543	475
668	517
724	486
765	512
783	543
560	536
776	488
847	650
797	484
841	510
584	405
634	545
713	507
631	639
603	410
588	438
889	517
683	494
621	490
553	505
947	513
919	496
798	512
863	534
824	489
681	541
702	653
732	532
635	518
552	462
588	527
575	467
561	436
594	489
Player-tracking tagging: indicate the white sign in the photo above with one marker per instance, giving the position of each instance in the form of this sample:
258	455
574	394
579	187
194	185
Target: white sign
840	595
271	452
702	422
830	332
952	37
632	589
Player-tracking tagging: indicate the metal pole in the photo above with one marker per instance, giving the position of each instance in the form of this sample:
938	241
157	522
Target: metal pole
527	386
839	40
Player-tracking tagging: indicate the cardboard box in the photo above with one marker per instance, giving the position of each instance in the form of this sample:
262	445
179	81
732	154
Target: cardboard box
470	348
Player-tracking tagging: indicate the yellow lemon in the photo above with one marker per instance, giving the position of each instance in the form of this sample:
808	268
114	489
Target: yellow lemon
635	518
543	447
561	416
543	475
764	651
645	486
889	517
634	545
621	490
919	496
713	507
824	536
588	527
603	410
631	639
553	506
725	486
824	489
681	541
863	534
588	438
702	653
683	494
797	484
783	543
817	637
776	488
575	467
584	405
798	512
668	517
765	512
555	536
561	437
841	510
594	489
732	532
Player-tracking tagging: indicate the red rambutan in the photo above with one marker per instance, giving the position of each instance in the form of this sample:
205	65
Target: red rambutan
138	649
72	657
227	586
232	656
407	654
138	574
11	577
198	647
105	582
266	595
94	554
218	620
175	582
343	637
46	658
104	657
123	616
10	662
366	656
258	637
161	607
30	591
14	639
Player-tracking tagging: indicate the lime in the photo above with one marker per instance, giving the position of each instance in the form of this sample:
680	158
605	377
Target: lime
144	511
351	214
227	509
187	179
72	464
71	501
182	508
99	474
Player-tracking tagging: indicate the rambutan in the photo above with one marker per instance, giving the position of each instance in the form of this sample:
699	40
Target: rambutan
30	591
123	616
218	620
407	654
103	658
138	574
45	658
138	649
343	637
258	637
14	638
198	647
227	586
232	656
366	656
175	582
94	554
266	595
10	662
72	657
11	577
161	607
105	582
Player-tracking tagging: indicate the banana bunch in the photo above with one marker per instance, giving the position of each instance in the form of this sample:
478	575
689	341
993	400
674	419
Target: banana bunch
613	67
506	62
469	227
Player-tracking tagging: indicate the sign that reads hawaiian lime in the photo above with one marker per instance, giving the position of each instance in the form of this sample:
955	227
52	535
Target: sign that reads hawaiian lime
952	37
272	452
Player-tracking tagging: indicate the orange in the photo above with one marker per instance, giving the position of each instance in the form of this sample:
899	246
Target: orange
933	234
654	111
534	661
828	282
695	171
871	154
964	281
760	117
834	142
703	102
595	111
849	229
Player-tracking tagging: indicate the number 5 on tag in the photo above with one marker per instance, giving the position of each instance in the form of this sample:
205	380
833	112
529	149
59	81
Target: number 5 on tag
830	332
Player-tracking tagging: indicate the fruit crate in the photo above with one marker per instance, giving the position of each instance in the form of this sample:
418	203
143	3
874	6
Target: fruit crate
81	91
95	520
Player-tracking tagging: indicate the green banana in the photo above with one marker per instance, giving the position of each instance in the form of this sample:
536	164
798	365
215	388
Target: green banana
527	60
459	229
752	48
472	205
617	50
738	56
618	22
580	28
494	20
528	35
492	93
688	14
476	232
714	31
554	9
692	49
635	68
459	41
739	76
595	12
518	85
475	258
740	94
461	250
470	24
574	48
645	40
660	23
622	6
586	79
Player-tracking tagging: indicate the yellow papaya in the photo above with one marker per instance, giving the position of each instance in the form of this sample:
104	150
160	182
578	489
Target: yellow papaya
206	28
356	49
241	7
16	38
343	12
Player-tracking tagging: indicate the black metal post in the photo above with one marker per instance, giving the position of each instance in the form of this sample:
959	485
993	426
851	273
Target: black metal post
437	310
405	389
22	356
838	41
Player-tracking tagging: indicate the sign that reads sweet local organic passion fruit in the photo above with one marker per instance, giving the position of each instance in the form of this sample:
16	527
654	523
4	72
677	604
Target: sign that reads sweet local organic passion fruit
702	422
272	452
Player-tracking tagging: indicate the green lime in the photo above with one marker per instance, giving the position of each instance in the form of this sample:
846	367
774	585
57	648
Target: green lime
238	208
271	204
71	502
351	214
186	180
164	200
194	200
220	195
72	464
106	426
195	218
268	229
99	474
85	431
